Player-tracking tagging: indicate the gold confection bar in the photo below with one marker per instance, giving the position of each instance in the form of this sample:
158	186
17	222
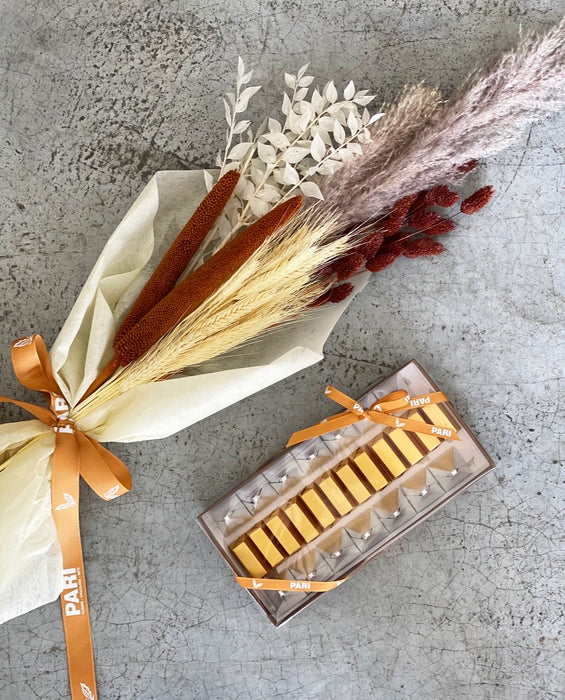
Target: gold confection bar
353	483
337	492
243	552
316	505
301	522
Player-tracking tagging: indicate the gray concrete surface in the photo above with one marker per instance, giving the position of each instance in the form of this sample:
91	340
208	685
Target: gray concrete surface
96	96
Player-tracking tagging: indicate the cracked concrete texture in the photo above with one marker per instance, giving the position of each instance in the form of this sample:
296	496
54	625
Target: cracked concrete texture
96	96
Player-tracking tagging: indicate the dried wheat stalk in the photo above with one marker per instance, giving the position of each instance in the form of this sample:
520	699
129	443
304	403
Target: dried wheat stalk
278	282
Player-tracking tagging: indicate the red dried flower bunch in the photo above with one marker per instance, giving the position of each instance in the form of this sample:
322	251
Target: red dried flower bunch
408	231
477	200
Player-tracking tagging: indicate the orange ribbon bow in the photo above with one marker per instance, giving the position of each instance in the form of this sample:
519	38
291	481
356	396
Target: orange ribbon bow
76	454
380	412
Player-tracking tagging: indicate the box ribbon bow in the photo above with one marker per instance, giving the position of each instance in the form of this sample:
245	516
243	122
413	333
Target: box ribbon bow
380	412
76	454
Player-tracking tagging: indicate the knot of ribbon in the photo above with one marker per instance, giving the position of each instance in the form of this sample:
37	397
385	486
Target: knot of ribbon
76	454
382	411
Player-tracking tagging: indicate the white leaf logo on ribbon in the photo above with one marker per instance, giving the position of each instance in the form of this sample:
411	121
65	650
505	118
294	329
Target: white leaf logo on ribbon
256	584
87	693
22	342
68	503
399	423
112	493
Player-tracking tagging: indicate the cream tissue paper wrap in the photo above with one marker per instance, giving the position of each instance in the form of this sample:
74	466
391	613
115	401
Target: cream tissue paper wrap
30	557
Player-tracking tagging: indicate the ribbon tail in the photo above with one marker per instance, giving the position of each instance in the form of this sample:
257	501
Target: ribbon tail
341	420
42	414
282	584
74	600
107	475
413	426
32	365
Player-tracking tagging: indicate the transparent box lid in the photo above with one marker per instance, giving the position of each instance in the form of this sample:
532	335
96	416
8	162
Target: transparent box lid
322	509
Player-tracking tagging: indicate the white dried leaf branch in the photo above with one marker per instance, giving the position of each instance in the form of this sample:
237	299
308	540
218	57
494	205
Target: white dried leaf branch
318	134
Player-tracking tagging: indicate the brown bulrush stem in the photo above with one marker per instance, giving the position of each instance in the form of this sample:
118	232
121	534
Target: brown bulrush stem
105	374
181	252
201	283
172	265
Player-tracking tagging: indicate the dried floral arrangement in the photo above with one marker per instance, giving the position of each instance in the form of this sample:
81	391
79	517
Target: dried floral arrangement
296	209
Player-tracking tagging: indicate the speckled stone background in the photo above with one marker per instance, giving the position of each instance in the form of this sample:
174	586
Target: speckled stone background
94	97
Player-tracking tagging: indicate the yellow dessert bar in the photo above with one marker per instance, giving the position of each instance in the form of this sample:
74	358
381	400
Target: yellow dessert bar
405	445
266	546
437	416
301	522
249	560
370	471
429	441
319	509
283	534
353	483
335	495
388	456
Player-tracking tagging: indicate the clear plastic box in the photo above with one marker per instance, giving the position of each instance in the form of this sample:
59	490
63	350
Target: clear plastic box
322	509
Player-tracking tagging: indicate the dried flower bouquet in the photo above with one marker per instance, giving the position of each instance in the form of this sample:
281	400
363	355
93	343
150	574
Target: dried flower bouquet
171	327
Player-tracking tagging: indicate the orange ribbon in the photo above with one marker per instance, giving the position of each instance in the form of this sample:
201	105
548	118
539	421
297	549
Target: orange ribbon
380	412
282	584
76	454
